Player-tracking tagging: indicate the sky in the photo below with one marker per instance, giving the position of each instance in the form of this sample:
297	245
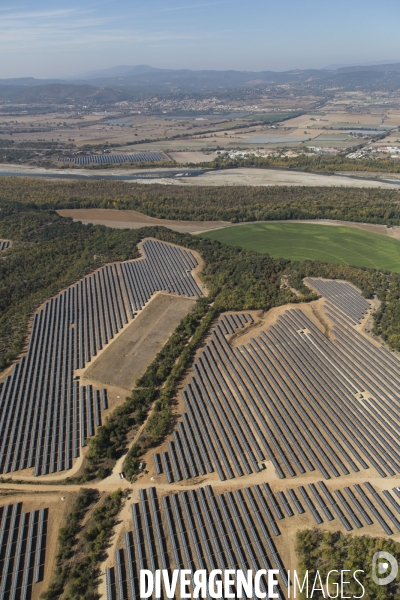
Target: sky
58	38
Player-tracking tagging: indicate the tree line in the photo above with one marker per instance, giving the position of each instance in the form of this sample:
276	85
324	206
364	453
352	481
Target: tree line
226	203
81	548
320	163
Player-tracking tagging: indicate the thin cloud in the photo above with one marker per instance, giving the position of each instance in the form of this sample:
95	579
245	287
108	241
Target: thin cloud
191	6
46	37
86	28
7	8
45	14
65	31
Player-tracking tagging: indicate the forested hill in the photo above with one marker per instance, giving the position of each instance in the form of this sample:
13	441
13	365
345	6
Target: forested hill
235	204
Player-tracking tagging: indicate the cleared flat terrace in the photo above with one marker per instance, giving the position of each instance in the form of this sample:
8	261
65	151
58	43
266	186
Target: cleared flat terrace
128	357
131	219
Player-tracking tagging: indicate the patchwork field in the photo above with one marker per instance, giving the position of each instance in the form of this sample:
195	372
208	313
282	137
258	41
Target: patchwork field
306	241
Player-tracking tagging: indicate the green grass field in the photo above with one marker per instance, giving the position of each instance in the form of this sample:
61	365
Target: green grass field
302	241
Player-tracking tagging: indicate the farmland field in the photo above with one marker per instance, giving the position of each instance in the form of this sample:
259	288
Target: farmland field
306	241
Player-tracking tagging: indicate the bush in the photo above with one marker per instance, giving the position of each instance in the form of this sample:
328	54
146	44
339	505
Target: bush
324	551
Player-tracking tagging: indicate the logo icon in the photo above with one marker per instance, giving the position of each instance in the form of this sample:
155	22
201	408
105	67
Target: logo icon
380	565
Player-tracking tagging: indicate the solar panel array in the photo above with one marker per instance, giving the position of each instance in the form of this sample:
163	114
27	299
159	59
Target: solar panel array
46	416
362	505
22	550
4	244
192	451
234	530
293	397
195	530
105	159
345	297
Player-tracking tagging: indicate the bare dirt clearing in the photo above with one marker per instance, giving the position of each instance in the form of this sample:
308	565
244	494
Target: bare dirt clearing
127	358
131	219
194	157
242	176
267	177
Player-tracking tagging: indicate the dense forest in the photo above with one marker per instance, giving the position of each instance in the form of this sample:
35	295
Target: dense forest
320	163
323	551
234	203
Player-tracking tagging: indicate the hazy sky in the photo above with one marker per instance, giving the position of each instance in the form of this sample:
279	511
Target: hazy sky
44	38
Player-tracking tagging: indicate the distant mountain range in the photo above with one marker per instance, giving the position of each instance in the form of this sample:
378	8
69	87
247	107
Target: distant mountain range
188	80
120	71
369	64
126	82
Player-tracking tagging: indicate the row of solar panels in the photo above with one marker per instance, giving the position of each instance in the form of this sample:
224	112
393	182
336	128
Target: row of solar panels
202	531
4	244
289	396
343	295
233	530
352	509
22	550
192	450
329	390
230	322
389	368
103	159
372	415
44	417
164	268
